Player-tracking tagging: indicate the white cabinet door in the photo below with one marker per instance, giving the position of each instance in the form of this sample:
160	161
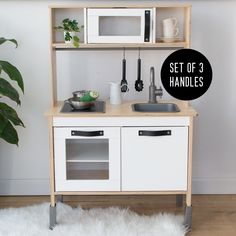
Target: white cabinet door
154	158
87	158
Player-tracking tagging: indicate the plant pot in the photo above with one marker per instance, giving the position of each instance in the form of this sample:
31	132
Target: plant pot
72	34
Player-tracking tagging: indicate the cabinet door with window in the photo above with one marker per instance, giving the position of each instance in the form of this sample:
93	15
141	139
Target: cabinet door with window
154	158
87	158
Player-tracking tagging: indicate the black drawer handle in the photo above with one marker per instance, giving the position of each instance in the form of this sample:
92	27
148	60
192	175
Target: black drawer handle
87	133
147	28
154	133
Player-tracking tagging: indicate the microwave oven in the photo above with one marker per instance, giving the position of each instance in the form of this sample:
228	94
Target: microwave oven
120	25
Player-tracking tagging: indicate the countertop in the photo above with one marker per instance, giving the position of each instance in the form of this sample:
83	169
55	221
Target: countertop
125	110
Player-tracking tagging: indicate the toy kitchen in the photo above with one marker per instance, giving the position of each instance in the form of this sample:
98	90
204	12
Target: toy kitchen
116	146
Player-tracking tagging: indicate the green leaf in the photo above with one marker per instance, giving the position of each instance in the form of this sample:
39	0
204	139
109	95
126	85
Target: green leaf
58	28
7	90
67	36
13	73
9	133
69	25
10	114
3	123
3	40
66	20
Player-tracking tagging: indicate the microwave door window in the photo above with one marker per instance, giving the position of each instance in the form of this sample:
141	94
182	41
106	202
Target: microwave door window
119	26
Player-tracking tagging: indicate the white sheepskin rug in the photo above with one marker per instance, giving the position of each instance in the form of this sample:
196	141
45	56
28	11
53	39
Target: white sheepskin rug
113	221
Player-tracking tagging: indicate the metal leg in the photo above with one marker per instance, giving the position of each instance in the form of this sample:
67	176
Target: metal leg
52	217
188	217
179	200
60	198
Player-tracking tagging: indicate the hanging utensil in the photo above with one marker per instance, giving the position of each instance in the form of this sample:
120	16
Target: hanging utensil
124	83
139	82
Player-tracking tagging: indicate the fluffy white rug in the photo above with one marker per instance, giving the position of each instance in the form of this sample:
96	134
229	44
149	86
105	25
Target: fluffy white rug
113	221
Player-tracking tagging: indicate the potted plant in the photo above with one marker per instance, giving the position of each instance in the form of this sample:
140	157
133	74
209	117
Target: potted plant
8	116
70	28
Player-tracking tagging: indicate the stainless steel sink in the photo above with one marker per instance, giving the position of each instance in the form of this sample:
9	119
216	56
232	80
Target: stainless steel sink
155	107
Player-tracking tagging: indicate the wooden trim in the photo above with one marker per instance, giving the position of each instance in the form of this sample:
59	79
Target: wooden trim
52	22
187	25
119	5
154	33
54	77
187	30
85	26
52	166
121	193
53	58
120	45
189	177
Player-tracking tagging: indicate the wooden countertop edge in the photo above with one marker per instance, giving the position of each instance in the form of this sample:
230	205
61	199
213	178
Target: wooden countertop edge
124	110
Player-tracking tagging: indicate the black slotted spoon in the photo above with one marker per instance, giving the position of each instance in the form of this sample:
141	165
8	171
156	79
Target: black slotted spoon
139	82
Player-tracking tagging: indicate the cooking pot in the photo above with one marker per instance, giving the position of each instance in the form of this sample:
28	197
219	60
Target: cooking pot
77	105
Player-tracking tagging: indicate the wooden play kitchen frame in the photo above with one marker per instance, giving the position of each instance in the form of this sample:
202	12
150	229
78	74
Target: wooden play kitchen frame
123	116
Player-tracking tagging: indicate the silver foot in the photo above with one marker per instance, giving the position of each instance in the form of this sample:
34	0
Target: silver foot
179	200
188	217
60	198
52	217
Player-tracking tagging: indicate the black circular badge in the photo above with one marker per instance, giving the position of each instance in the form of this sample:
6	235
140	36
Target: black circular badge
186	74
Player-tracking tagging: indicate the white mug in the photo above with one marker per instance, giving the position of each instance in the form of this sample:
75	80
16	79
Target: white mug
170	29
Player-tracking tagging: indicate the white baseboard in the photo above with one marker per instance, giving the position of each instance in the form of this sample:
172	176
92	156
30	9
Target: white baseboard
214	185
42	186
24	187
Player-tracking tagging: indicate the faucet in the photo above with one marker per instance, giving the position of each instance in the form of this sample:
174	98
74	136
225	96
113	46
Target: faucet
153	91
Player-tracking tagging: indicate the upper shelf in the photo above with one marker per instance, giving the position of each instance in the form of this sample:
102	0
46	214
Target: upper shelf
181	12
163	45
118	5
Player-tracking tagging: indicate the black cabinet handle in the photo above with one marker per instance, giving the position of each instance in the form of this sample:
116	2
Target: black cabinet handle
87	133
154	132
147	26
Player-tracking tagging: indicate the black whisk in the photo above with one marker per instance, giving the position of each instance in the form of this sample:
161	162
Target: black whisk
139	82
124	83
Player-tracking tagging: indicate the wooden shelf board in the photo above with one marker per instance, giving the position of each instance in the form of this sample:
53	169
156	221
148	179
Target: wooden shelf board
87	174
117	45
99	5
89	160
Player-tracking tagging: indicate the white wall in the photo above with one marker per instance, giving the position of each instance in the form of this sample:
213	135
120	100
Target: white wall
25	170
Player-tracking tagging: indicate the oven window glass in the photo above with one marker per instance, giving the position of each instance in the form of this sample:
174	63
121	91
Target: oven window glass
87	159
119	26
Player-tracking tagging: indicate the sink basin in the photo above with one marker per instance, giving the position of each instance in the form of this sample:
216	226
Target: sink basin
155	107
